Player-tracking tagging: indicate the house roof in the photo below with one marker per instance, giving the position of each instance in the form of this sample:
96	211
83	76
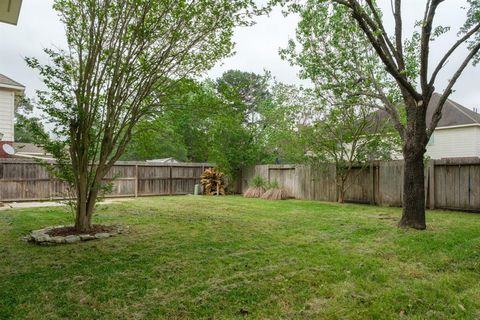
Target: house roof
6	82
28	148
453	113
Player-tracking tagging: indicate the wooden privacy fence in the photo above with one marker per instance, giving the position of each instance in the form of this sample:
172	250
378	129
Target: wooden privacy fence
27	180
449	183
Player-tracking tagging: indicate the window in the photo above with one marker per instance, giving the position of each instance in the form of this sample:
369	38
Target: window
431	142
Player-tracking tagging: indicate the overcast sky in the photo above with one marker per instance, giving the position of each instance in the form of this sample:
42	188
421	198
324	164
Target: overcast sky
256	47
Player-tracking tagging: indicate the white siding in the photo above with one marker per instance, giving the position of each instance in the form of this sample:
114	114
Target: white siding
455	142
7	100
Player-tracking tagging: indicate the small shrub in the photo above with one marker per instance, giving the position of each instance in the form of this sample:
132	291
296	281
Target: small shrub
275	192
257	182
256	187
274	185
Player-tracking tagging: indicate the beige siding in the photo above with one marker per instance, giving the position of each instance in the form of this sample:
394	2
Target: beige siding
455	142
6	114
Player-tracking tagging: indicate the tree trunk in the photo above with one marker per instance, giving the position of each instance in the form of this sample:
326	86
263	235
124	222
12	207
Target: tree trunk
341	190
85	204
414	193
83	220
413	183
341	196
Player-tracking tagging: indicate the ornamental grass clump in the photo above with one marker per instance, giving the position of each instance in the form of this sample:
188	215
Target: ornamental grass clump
256	187
275	192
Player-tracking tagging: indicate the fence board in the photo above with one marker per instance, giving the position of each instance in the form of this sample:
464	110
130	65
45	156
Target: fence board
359	186
390	183
474	188
286	177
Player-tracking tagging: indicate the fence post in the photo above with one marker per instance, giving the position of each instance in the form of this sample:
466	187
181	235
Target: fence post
431	184
136	180
170	188
372	181
50	186
335	179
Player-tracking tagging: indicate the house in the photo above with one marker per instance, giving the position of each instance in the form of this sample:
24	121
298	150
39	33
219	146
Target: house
457	134
9	89
10	10
164	160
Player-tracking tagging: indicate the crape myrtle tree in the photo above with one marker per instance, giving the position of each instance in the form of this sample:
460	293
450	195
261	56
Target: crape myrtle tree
416	92
349	137
122	57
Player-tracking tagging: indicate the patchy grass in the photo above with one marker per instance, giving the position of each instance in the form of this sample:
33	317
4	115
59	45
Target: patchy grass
230	257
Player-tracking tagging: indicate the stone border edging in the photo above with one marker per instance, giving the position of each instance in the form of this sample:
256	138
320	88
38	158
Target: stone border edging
42	237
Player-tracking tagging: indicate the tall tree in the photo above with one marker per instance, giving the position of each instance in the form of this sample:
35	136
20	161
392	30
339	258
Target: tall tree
122	58
392	49
219	121
235	136
155	138
179	129
247	92
293	108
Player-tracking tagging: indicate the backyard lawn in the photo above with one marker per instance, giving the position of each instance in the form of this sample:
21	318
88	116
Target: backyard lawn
230	257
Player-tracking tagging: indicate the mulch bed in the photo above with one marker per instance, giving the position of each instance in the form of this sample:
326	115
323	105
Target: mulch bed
67	231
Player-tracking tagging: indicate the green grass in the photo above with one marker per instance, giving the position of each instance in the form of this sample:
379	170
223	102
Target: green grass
206	257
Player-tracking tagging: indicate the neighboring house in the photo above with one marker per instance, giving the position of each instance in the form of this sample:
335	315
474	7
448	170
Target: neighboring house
10	10
8	90
457	134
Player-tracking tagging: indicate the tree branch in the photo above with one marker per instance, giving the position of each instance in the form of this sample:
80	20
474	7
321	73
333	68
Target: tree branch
380	47
438	111
427	26
460	41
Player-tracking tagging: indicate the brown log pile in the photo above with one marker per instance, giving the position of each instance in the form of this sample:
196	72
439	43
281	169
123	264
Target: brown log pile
213	182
